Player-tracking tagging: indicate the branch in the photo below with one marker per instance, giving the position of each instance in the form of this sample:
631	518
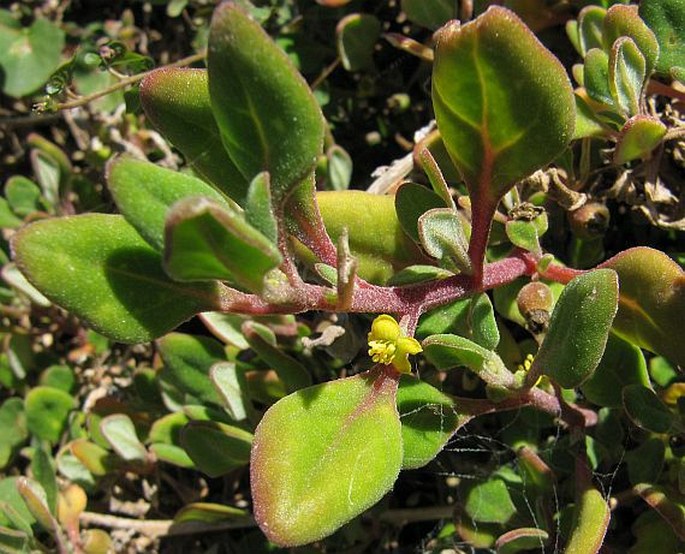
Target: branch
124	83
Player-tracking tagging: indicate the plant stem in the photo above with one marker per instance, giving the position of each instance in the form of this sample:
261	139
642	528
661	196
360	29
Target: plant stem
657	87
82	101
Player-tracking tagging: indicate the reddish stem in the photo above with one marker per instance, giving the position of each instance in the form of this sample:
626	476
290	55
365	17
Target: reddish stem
481	219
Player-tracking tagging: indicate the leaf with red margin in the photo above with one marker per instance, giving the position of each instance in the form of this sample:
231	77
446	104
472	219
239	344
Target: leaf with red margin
651	302
503	103
323	455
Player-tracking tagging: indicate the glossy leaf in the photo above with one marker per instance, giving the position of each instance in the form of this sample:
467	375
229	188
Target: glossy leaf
94	458
442	235
36	501
624	21
216	448
98	267
119	431
268	118
171	454
503	103
622	364
356	36
47	410
627	74
12	504
144	193
176	100
187	361
652	301
323	455
339	168
226	327
638	138
28	55
579	328
418	274
429	418
646	410
472	318
591	520
205	240
667	19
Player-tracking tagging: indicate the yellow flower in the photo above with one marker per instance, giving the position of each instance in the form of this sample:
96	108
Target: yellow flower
388	345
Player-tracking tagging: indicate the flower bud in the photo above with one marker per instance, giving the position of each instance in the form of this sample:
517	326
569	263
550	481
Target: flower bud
535	303
590	221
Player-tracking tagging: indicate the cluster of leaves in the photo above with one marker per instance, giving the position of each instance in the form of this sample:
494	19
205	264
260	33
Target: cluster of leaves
460	254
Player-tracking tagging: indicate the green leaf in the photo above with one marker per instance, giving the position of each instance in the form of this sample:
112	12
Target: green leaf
667	19
176	100
120	433
47	410
216	448
442	235
205	241
622	364
627	74
43	470
667	503
472	318
624	21
590	522
652	301
28	55
268	118
431	14
13	421
36	501
591	28
167	429
646	410
596	76
7	217
418	274
587	124
206	512
293	374
171	454
579	328
16	279
411	202
522	539
376	237
339	168
187	361
645	462
503	103
356	36
449	351
226	327
10	498
527	234
323	455
58	377
429	418
94	457
23	195
231	385
259	210
144	193
99	268
639	136
489	502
